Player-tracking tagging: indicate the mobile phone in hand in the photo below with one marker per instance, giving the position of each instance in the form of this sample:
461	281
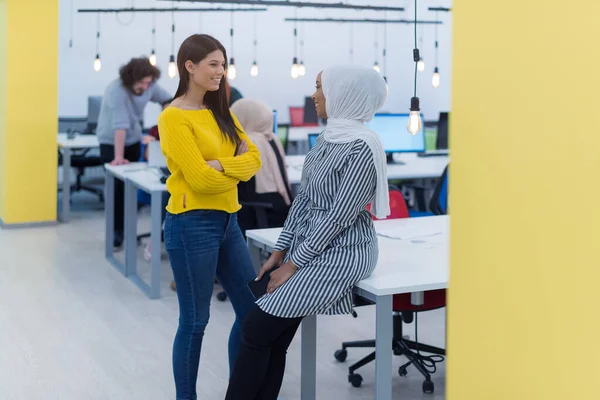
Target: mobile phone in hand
259	288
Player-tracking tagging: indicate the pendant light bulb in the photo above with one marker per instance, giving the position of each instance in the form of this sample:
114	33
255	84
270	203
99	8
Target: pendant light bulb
254	69
376	67
97	63
421	65
172	72
414	125
152	58
301	69
435	79
231	71
294	72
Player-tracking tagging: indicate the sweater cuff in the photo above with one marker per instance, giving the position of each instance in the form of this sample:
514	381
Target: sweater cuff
284	241
237	167
303	255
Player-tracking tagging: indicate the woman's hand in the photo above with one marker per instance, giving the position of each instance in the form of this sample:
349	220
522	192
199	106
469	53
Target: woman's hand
273	261
215	164
242	148
281	276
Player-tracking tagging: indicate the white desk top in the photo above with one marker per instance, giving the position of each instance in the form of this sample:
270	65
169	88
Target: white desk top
300	133
418	260
414	168
144	177
78	142
147	180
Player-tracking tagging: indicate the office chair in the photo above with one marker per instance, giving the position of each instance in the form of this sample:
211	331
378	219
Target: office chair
80	158
438	203
404	312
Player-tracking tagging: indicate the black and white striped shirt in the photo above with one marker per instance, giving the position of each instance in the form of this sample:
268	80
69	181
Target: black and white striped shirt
329	233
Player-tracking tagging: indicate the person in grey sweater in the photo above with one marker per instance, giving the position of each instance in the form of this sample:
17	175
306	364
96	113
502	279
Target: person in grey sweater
119	127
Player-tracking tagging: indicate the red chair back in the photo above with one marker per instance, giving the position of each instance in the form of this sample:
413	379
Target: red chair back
296	116
433	299
398	207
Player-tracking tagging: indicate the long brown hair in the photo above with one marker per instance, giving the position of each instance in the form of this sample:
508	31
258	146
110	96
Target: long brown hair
195	48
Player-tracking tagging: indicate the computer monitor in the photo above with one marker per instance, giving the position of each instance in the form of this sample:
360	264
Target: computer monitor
392	132
310	112
94	104
275	122
312	139
441	141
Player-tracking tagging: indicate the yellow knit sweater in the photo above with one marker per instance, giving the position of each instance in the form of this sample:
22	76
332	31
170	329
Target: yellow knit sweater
188	139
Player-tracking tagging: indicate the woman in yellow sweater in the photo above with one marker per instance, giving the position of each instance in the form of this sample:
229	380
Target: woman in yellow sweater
208	154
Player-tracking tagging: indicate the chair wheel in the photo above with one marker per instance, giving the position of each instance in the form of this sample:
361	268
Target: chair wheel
221	296
355	380
403	372
428	387
341	355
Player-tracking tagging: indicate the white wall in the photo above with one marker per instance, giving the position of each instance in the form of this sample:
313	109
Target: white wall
325	44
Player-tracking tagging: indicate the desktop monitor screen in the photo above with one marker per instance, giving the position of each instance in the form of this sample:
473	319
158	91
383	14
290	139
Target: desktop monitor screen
441	142
392	132
310	112
312	139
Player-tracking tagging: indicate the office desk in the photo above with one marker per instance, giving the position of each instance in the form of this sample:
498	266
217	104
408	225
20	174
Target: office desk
147	180
67	145
135	176
413	167
413	258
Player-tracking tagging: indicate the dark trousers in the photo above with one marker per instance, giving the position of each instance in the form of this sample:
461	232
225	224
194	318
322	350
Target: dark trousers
260	366
107	154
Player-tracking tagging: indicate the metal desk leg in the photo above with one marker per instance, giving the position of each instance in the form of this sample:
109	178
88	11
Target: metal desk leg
309	358
254	255
130	234
383	360
109	215
66	186
156	206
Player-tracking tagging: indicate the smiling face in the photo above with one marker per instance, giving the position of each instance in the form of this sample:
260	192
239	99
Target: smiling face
208	73
319	98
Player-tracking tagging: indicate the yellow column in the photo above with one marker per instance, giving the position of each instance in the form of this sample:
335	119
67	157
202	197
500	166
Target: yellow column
525	236
28	111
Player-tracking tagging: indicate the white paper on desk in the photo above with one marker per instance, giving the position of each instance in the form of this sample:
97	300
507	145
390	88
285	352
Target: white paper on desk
405	234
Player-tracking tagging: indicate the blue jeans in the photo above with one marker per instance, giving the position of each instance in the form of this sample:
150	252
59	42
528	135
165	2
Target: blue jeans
202	245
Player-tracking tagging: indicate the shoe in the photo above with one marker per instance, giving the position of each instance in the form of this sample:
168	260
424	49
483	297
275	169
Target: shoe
118	240
173	287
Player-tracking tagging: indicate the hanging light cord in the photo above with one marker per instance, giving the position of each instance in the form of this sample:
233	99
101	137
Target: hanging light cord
231	31
295	33
416	55
98	34
173	30
436	37
385	46
153	31
255	38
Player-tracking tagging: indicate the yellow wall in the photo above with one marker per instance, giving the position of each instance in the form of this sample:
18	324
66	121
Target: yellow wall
525	236
28	138
3	53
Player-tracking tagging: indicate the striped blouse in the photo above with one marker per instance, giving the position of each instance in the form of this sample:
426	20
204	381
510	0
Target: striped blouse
329	233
